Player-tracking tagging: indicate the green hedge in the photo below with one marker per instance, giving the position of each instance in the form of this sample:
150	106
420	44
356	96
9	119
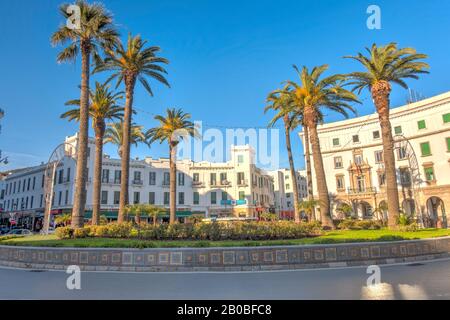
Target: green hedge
352	224
198	231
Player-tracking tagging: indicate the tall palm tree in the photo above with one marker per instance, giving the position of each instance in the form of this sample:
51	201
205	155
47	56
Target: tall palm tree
129	64
114	135
96	31
385	65
103	106
173	127
281	102
313	95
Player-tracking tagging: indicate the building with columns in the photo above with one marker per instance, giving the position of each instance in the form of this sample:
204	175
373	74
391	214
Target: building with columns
352	154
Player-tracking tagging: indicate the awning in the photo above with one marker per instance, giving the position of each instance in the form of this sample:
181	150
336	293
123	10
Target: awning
113	214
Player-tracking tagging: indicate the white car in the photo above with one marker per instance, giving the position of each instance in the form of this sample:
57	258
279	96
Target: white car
21	232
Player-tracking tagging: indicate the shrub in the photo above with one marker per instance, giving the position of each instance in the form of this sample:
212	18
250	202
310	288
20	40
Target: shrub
352	224
64	232
81	232
412	227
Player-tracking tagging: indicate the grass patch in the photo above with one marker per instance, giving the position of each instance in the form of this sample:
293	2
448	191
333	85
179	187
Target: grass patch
338	236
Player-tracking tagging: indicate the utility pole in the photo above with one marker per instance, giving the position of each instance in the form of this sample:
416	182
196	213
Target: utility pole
2	159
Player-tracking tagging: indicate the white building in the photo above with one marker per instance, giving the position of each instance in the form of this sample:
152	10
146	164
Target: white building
353	161
233	188
284	192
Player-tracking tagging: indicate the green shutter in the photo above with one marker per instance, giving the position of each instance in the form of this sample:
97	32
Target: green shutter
429	174
421	124
448	144
335	141
446	118
425	148
398	130
196	198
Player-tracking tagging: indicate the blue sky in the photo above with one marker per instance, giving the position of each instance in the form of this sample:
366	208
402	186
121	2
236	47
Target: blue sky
225	57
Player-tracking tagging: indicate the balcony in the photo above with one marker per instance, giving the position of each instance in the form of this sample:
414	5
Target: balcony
137	182
166	184
362	191
243	183
197	184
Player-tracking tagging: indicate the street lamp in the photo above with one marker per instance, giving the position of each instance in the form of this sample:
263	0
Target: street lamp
5	159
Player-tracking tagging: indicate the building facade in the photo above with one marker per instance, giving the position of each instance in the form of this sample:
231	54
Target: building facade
352	154
236	188
284	192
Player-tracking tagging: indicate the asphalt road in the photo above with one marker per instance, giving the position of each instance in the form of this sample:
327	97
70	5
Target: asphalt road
427	280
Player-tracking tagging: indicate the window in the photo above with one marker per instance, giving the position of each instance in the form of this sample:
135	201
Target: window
358	159
59	198
336	142
213	198
223	177
151	198
340	183
116	197
405	177
446	118
196	177
34	182
338	162
212	179
361	183
28	184
241	195
152	178
398	130
31	202
355	139
60	177
166	198
421	124
425	149
241	178
136	197
104	197
105	175
180	197
137	176
117	176
196	198
401	153
68	175
166	180
181	178
429	174
41	201
240	158
224	196
66	200
376	134
379	156
288	186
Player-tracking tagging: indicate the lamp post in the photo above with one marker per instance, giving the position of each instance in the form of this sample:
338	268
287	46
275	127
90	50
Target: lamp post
2	159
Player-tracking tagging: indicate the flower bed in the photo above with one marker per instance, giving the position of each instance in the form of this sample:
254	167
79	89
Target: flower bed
199	231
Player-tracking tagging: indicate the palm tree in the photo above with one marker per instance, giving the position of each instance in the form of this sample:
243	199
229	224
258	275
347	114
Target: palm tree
313	95
281	101
172	128
114	135
96	31
103	106
135	62
308	207
385	65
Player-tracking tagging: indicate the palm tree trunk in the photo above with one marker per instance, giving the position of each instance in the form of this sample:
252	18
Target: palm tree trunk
308	171
130	82
380	94
322	188
99	132
173	183
292	169
79	201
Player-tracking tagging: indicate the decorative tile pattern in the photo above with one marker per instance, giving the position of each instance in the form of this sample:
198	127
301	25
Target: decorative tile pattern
176	258
127	258
318	255
330	254
268	256
163	258
281	256
229	257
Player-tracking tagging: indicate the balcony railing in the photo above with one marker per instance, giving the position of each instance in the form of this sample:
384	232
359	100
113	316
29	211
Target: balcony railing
166	184
362	190
197	184
137	182
242	183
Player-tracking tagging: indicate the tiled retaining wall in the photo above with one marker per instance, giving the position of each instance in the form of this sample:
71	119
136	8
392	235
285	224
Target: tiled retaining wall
225	259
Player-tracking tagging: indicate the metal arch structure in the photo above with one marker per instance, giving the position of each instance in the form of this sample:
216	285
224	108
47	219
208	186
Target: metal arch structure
401	142
58	154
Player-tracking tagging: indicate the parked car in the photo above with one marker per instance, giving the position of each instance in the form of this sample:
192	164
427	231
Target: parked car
4	230
22	232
